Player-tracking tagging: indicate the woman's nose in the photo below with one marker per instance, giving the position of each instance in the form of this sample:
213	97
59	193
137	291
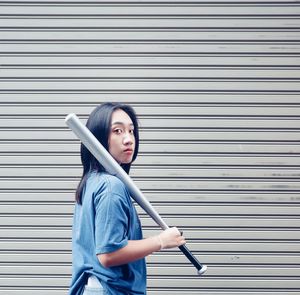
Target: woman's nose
128	139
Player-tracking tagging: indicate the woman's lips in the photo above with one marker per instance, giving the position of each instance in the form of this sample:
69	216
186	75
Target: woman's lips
128	151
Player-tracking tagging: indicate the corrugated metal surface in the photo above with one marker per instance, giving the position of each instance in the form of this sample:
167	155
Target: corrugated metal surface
216	85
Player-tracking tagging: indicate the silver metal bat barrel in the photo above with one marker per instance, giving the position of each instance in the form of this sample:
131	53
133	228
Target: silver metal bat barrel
112	167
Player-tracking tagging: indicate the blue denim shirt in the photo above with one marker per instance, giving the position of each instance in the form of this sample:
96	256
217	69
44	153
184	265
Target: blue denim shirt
104	223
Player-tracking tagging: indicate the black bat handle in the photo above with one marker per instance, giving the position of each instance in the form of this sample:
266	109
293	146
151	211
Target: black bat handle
200	267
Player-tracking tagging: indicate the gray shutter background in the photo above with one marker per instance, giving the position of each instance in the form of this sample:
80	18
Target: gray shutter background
216	85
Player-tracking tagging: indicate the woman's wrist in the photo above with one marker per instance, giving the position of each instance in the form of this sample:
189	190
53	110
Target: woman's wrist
161	246
157	242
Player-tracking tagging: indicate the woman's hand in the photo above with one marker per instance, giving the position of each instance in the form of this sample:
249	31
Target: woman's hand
170	238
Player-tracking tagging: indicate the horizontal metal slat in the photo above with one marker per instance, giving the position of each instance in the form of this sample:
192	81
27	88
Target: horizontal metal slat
58	219
179	174
151	85
221	148
168	185
160	160
239	272
160	123
166	271
165	108
145	73
263	283
22	281
209	248
157	10
25	245
215	259
159	22
32	258
163	196
244	284
140	99
56	61
163	135
142	47
287	211
38	270
150	291
164	258
209	292
208	235
219	35
36	291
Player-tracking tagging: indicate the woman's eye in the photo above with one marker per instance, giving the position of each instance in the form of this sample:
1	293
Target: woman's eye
118	131
131	131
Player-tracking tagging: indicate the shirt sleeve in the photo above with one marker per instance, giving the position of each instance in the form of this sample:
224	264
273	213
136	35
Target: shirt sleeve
111	221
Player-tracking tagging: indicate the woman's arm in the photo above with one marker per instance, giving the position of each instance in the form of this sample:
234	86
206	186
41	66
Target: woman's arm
134	250
138	249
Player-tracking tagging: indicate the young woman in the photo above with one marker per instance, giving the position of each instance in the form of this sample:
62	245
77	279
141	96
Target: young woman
108	248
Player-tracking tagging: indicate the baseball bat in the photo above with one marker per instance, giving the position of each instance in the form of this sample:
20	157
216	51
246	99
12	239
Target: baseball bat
112	167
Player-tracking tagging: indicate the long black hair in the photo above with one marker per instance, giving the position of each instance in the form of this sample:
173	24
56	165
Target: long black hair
99	123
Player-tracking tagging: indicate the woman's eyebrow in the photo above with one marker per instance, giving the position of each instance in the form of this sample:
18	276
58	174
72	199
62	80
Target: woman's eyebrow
121	123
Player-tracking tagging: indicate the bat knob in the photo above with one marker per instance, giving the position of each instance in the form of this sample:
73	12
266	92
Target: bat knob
202	270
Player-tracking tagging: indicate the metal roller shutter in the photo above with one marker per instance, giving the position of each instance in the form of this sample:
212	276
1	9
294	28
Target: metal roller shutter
216	85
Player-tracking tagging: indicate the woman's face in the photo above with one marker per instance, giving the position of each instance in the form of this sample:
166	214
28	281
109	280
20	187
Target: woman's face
121	140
